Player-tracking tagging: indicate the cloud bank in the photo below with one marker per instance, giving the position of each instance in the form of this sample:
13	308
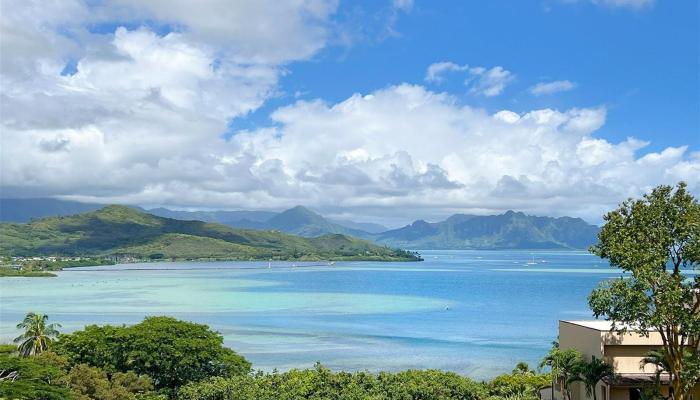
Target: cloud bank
140	118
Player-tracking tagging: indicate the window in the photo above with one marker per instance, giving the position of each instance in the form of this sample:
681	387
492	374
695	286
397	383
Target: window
635	394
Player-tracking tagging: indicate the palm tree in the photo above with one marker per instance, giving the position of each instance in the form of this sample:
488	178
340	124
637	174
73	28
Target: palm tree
590	373
564	364
660	359
522	368
37	334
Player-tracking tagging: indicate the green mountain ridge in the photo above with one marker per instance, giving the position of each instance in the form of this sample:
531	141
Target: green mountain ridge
511	230
298	220
122	230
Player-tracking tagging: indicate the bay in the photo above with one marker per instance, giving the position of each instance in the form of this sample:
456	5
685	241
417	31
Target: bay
473	312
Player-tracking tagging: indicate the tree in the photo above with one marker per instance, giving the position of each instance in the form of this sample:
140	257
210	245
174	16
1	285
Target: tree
31	378
91	383
171	352
660	360
654	240
37	334
590	373
320	383
522	368
522	383
563	364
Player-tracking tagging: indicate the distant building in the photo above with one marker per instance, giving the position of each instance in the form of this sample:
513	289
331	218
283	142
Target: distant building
623	352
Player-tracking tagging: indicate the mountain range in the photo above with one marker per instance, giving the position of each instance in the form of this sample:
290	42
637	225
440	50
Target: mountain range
125	231
511	230
24	210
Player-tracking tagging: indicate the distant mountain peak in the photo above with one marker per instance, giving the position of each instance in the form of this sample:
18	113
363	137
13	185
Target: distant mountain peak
299	210
115	208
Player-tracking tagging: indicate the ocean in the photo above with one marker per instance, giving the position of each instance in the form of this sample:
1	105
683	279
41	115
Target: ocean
477	313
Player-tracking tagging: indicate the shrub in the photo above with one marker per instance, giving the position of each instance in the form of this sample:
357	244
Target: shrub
322	384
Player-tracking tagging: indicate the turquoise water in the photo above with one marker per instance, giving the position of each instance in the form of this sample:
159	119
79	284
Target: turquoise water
473	312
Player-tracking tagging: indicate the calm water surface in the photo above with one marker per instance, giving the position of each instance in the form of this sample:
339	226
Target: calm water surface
472	312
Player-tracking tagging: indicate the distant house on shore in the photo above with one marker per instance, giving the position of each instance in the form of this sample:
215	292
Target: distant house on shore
623	352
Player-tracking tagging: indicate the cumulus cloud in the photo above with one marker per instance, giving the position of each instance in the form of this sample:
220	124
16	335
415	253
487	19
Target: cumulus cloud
483	81
544	88
249	31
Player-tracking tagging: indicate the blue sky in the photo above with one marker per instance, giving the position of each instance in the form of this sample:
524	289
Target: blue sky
640	63
383	111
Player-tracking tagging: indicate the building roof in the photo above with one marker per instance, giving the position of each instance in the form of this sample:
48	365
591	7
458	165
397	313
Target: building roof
597	324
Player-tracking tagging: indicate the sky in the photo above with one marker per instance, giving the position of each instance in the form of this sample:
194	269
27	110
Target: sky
377	111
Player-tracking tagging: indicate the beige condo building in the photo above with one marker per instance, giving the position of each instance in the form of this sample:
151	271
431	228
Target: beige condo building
623	351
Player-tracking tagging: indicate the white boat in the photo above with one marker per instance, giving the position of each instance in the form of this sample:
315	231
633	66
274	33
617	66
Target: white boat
531	262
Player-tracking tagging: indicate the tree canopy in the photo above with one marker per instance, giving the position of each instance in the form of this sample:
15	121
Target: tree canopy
171	352
655	240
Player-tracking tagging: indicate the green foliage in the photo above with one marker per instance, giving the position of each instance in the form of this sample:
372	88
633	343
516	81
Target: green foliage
37	335
6	272
119	230
99	346
661	360
654	239
171	352
522	383
590	373
30	378
7	349
86	383
564	364
51	376
188	361
430	384
321	384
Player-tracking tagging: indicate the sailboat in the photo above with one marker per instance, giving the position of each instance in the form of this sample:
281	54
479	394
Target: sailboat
531	262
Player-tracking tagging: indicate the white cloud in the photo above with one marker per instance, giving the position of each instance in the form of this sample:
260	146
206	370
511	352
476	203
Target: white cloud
266	31
634	4
544	88
483	81
490	82
436	71
141	121
393	154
